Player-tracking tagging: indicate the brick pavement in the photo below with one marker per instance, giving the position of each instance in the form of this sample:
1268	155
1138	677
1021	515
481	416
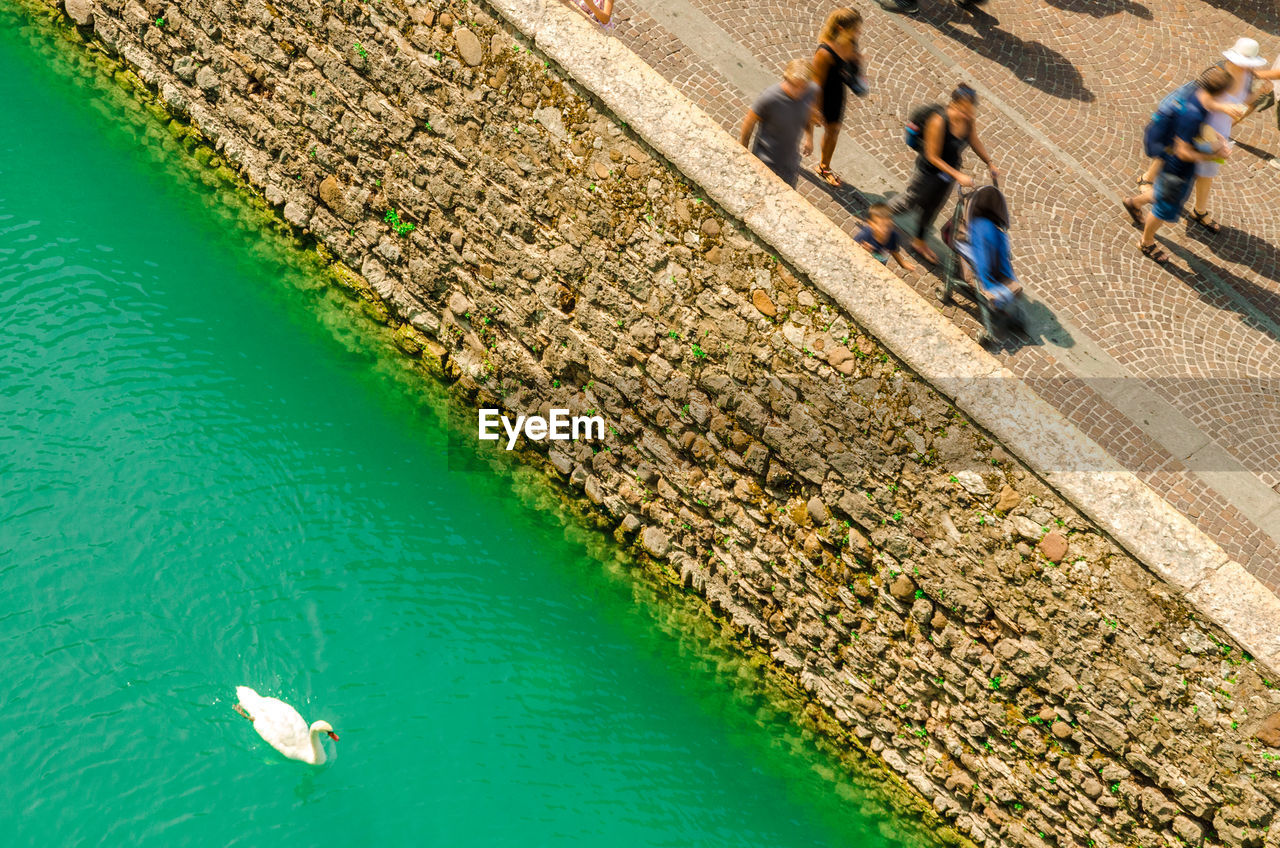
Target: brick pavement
1075	81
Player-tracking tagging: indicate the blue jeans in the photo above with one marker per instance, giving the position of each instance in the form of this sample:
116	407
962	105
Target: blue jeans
1171	196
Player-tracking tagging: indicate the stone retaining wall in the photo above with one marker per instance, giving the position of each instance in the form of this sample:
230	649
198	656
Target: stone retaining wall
1028	677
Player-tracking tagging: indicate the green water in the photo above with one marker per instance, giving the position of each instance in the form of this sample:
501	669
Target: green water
204	486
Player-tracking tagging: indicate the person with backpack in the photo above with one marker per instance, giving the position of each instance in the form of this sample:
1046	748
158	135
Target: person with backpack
940	134
1173	134
836	65
1226	110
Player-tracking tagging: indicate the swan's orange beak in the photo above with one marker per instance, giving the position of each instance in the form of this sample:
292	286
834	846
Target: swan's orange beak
332	735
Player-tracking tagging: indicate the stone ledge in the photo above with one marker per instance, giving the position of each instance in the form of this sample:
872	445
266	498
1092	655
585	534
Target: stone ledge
1139	520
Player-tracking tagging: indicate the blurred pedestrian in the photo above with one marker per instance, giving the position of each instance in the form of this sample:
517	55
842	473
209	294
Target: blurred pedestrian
601	11
880	237
780	117
837	66
944	135
1242	61
1177	133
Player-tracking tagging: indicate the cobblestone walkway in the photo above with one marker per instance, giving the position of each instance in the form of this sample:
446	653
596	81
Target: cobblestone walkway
1176	370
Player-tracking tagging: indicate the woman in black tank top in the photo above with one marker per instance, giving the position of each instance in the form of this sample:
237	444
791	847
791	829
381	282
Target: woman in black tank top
947	132
836	65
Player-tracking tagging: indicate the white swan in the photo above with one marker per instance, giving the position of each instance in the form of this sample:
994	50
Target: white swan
283	728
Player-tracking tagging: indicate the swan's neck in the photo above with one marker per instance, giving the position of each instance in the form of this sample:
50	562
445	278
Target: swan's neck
317	747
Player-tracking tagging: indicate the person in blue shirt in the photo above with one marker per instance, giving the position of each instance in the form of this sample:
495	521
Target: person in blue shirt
1177	174
880	237
989	249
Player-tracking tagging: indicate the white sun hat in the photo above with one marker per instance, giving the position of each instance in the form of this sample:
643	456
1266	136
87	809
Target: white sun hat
1245	54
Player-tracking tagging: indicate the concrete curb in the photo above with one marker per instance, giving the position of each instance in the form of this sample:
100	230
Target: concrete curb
1124	507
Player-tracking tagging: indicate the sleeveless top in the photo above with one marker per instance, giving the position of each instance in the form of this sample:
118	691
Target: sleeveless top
841	72
952	147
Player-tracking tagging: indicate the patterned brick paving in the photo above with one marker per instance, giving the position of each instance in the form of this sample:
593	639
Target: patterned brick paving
1078	77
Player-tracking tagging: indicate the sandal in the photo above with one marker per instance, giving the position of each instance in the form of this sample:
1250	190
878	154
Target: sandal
1205	220
1143	182
830	176
1135	214
1154	252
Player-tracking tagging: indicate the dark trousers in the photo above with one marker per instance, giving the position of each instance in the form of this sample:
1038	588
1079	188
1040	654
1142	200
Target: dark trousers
926	193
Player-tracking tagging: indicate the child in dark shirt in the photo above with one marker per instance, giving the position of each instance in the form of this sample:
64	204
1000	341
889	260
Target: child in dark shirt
880	237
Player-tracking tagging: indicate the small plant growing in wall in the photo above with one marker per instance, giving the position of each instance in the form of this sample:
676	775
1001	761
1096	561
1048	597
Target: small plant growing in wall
402	228
159	22
360	51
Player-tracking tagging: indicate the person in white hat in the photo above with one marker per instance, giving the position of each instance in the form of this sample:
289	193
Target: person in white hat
1243	62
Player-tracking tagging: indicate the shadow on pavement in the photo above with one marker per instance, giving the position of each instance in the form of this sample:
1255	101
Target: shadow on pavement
851	199
1035	64
1258	14
1244	248
1103	8
1256	151
1207	279
1042	327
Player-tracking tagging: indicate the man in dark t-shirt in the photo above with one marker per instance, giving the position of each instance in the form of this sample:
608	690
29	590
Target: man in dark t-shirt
780	116
1173	186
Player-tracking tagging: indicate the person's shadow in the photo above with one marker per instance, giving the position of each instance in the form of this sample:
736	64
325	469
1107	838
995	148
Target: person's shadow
1032	62
1040	326
850	198
1244	248
1103	8
1256	14
1207	281
1256	151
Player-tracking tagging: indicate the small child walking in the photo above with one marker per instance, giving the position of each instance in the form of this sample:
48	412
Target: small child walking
880	237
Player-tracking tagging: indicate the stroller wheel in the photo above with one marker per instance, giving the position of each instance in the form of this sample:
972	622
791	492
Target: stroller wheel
944	294
985	339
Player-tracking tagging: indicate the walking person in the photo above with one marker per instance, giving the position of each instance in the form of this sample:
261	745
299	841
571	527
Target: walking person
600	11
1242	61
837	65
1226	110
1180	155
944	135
780	117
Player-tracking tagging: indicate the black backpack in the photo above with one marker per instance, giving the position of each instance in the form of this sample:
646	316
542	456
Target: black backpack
915	125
